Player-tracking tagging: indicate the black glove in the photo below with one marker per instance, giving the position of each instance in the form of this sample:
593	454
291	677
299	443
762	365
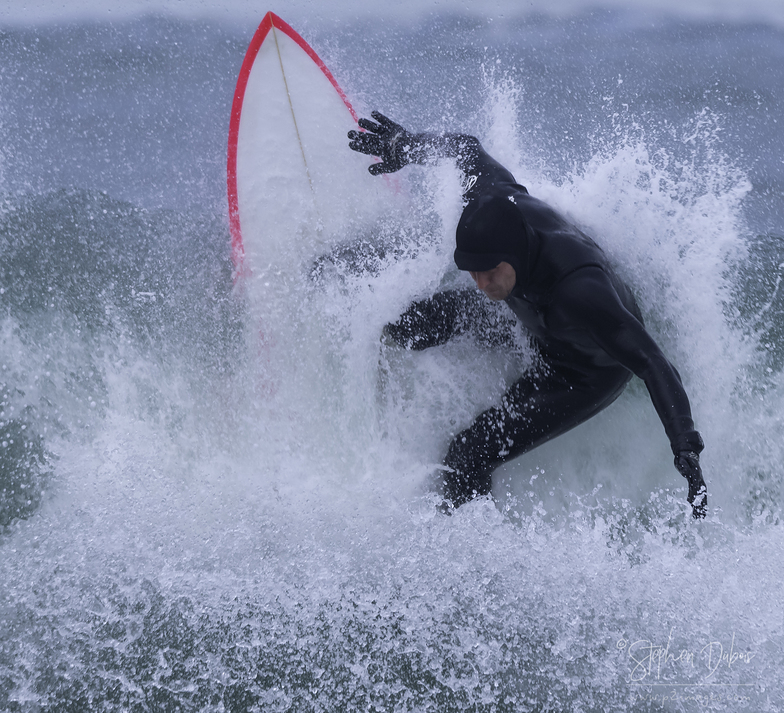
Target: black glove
688	465
387	140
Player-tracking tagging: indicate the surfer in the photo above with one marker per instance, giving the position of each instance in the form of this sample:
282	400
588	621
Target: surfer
583	320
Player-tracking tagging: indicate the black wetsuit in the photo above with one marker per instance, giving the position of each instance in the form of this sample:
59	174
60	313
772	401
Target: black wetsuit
581	317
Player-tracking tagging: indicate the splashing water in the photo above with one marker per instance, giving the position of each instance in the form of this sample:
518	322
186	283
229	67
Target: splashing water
216	522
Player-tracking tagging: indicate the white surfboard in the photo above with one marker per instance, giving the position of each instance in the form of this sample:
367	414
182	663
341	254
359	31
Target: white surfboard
295	188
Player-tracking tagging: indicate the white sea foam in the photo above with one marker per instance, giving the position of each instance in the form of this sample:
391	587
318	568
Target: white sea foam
253	522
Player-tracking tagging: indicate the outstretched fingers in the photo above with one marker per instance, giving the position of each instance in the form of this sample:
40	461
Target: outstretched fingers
371	126
384	121
365	143
381	140
376	169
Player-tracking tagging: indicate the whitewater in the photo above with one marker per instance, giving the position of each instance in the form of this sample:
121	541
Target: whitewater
196	518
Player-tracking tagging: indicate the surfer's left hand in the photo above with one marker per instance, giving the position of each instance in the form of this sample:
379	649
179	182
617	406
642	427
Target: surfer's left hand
688	465
385	139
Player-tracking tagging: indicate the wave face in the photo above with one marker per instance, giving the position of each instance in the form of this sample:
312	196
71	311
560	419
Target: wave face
196	517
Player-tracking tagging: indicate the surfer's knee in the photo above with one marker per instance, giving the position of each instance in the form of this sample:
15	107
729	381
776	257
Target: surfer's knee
459	487
467	472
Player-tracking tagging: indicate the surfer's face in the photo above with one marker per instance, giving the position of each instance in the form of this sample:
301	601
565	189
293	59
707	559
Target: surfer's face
497	283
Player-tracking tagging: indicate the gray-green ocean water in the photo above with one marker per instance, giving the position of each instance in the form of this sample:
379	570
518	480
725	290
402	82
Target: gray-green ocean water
191	522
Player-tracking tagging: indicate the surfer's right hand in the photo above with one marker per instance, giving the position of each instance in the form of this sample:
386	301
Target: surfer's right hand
688	464
385	139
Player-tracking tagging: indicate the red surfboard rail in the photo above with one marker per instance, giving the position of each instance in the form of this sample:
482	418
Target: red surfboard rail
270	20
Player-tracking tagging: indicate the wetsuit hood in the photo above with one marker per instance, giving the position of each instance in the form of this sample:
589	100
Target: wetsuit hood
490	232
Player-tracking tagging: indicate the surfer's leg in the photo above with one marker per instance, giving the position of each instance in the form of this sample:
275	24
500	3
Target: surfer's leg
534	409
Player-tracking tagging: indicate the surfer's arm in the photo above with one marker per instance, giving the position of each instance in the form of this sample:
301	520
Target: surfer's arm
397	147
479	168
588	299
452	313
430	322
